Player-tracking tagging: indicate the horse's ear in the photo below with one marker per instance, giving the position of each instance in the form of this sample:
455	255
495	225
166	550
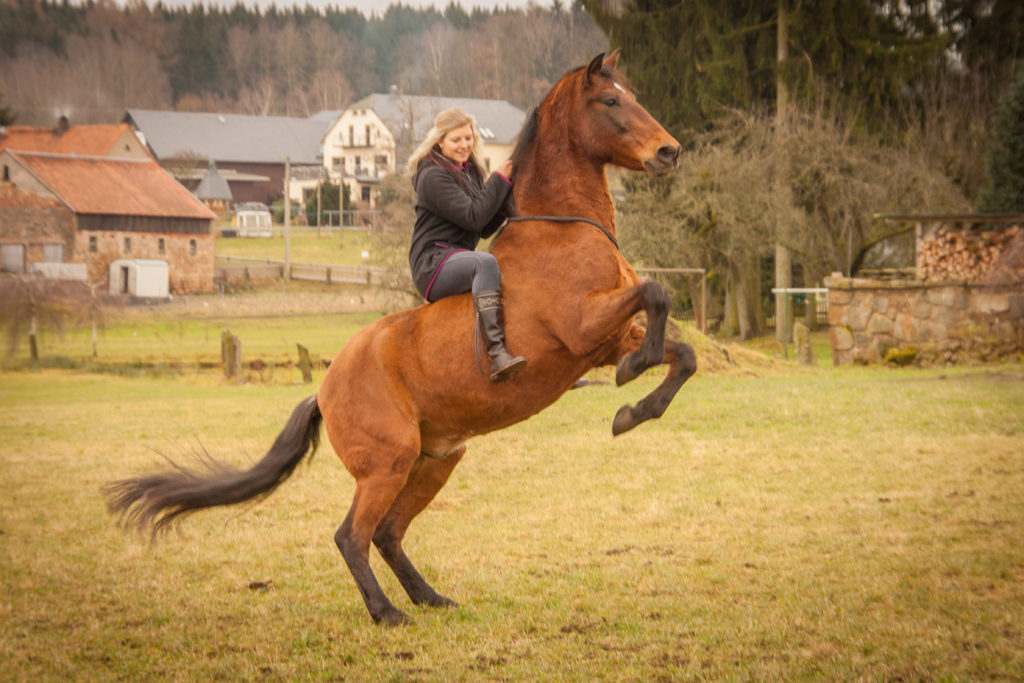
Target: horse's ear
613	59
593	69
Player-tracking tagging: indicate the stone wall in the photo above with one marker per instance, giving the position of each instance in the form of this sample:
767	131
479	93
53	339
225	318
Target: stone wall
34	221
911	321
190	258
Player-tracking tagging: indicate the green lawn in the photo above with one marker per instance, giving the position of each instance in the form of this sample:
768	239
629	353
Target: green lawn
153	342
306	246
777	524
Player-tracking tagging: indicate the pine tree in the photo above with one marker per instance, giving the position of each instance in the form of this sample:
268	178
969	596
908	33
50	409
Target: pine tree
690	60
7	115
1004	192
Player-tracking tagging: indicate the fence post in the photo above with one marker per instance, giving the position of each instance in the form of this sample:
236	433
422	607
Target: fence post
230	353
305	365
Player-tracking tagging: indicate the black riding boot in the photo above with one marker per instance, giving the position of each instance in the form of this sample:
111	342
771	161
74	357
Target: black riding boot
492	328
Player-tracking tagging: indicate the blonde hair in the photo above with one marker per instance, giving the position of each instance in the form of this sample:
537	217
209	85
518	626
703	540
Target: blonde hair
445	122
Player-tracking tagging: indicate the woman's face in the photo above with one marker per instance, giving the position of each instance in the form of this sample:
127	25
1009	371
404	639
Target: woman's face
457	144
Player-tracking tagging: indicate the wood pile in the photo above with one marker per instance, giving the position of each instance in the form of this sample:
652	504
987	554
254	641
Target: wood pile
964	255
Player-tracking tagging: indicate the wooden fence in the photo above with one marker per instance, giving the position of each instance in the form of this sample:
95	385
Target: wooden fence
227	267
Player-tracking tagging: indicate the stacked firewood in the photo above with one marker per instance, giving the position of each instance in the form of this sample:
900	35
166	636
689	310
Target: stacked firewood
963	255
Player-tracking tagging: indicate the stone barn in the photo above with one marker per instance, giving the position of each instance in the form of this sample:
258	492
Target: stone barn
963	300
94	210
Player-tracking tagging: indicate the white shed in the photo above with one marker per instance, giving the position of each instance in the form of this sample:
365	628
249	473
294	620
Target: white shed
139	277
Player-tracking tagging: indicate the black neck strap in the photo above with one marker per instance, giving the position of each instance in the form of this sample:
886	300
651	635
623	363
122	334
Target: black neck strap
567	219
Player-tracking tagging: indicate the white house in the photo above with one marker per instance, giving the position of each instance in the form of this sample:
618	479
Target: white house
373	138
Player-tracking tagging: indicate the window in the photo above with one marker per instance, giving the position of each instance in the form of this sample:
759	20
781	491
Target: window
93	244
351	136
192	247
127	245
359	164
7	173
161	246
368	132
336	163
14	258
365	193
53	253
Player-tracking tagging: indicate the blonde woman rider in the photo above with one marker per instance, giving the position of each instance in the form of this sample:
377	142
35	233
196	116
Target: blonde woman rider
456	205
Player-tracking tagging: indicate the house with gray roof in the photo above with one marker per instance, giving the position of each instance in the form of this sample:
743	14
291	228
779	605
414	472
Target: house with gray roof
249	151
374	136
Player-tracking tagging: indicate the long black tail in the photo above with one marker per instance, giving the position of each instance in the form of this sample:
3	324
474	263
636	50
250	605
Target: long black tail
155	501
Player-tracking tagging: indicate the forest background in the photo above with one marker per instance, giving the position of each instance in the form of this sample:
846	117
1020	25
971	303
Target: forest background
801	121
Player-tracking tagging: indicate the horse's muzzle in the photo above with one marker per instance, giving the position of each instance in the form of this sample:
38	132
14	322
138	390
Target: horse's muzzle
665	161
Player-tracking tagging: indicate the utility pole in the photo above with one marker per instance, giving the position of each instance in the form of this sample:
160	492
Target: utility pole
287	222
319	200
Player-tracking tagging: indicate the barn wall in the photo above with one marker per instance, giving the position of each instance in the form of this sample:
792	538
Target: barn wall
188	273
931	323
33	221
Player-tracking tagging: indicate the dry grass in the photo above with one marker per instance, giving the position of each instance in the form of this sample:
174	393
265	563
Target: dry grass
821	524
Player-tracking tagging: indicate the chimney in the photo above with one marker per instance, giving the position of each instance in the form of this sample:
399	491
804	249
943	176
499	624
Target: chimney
62	125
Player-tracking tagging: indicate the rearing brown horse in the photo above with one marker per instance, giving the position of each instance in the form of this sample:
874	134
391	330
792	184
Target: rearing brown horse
404	395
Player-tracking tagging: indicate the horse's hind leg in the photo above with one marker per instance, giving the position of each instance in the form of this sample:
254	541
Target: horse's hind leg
375	492
682	364
427	477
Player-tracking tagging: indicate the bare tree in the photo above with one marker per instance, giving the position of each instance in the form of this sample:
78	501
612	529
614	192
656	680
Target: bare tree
258	99
746	187
240	53
31	305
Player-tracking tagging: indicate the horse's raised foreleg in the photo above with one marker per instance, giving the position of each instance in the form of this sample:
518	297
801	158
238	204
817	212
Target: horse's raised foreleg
427	477
375	493
682	364
656	303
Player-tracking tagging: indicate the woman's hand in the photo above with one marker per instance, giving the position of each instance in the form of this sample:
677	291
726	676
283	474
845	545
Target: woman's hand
506	169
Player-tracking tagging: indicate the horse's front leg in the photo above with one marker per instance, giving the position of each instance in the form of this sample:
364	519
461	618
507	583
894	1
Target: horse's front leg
640	349
682	363
655	302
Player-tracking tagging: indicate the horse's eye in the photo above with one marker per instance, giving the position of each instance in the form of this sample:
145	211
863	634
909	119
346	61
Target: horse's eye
610	102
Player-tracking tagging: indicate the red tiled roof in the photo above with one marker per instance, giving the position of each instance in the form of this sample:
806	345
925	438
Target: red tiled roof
92	140
12	197
105	185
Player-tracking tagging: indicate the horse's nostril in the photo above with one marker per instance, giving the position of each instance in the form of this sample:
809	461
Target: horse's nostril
669	152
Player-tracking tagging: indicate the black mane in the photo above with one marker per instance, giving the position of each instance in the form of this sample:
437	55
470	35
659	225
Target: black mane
526	136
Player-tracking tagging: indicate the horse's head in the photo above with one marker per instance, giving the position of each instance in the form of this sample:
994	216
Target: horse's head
614	128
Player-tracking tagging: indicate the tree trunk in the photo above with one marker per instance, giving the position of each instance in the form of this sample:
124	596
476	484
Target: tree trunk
811	307
730	321
743	299
748	298
783	280
783	257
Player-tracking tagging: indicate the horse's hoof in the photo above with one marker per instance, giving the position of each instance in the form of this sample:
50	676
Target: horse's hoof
434	600
441	601
393	616
625	372
623	421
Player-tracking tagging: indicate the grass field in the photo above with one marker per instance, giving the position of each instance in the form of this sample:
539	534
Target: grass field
306	246
187	343
797	524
